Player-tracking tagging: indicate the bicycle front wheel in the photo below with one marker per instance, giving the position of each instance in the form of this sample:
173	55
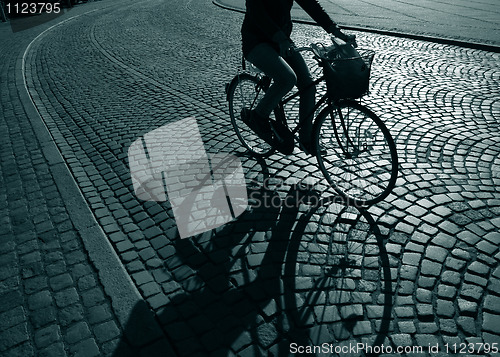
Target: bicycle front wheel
245	91
356	153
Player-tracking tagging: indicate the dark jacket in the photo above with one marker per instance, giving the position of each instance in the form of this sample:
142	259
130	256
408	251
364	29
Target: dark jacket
265	19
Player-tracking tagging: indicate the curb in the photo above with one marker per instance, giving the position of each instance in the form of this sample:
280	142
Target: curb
114	278
435	39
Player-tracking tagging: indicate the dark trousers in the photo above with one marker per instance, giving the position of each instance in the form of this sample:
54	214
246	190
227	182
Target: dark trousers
285	73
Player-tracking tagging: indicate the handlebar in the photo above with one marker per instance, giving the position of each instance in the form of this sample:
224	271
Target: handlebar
315	47
304	48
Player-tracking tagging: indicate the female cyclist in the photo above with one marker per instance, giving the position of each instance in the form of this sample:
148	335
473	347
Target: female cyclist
266	31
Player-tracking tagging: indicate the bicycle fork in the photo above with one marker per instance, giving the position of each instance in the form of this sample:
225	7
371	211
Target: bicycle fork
347	146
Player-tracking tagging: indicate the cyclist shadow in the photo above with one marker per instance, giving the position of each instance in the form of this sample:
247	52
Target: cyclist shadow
241	293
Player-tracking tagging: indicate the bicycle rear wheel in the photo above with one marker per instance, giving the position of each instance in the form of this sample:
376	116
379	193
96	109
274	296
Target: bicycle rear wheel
245	91
356	153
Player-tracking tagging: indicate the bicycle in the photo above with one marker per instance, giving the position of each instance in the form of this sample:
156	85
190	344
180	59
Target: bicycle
354	149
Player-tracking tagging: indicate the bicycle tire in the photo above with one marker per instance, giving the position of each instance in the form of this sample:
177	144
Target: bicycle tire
356	153
244	92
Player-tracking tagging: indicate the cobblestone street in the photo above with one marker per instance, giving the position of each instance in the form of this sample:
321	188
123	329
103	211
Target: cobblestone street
420	268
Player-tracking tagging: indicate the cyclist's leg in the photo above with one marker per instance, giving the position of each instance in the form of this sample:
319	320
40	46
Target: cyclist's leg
268	60
307	94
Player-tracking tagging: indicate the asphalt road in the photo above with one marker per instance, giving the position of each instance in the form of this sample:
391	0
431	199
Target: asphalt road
467	22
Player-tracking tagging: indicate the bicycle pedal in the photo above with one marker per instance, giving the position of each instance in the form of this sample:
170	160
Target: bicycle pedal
284	141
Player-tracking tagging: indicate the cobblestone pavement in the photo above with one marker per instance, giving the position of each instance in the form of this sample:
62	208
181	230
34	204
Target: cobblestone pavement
52	302
419	269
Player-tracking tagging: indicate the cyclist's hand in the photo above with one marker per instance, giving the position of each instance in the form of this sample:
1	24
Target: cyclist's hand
287	47
351	39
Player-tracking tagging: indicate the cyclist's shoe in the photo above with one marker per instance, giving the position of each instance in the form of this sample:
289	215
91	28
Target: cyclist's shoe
309	148
259	125
283	137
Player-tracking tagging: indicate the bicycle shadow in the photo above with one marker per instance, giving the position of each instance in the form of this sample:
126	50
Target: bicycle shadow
339	283
242	294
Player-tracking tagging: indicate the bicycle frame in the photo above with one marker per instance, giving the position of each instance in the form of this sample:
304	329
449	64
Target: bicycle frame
324	99
264	83
281	115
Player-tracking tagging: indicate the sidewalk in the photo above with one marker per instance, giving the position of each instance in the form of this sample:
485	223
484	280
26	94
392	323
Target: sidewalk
463	21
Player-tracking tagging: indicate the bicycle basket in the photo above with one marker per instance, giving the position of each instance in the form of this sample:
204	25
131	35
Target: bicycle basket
347	77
